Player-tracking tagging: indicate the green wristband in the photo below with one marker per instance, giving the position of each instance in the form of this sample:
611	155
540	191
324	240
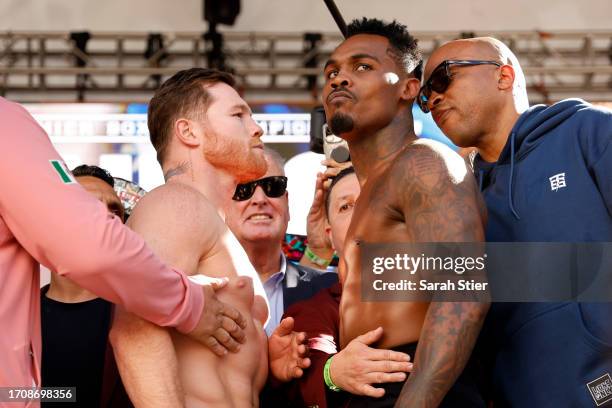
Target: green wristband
317	260
327	377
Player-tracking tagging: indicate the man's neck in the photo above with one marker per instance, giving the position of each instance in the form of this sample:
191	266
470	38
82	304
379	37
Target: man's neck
371	152
491	144
64	290
215	184
265	257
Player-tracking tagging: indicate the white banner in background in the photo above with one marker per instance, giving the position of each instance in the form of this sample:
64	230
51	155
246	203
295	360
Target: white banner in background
132	128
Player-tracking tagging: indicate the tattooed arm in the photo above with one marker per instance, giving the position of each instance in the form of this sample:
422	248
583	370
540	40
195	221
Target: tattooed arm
440	203
448	336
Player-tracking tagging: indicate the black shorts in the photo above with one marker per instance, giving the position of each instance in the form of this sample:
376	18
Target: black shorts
463	394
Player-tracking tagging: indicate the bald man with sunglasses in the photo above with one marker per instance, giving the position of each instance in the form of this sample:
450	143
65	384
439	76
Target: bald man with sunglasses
546	176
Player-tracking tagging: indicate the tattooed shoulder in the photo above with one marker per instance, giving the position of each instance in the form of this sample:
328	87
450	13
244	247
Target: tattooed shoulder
437	196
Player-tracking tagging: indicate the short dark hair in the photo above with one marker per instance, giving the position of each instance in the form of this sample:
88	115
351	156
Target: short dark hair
343	173
181	95
94	171
404	47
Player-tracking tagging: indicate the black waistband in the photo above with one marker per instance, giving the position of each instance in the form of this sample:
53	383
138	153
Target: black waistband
409	349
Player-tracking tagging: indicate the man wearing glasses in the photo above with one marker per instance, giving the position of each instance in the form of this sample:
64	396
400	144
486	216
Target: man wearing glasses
412	190
546	176
258	215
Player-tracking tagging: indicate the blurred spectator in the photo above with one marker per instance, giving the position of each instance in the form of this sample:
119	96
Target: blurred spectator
320	251
258	216
75	323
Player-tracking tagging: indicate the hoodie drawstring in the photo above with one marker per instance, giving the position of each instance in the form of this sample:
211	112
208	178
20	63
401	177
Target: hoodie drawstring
511	175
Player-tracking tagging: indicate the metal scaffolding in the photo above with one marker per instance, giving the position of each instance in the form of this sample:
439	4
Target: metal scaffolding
284	67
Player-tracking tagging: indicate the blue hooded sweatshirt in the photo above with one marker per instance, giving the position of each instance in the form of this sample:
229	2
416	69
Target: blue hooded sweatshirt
551	183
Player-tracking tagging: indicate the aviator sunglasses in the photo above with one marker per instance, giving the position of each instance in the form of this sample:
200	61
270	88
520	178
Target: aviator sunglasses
440	79
273	187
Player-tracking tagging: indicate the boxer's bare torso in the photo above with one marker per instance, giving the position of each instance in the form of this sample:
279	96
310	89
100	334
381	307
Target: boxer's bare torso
417	195
186	231
236	379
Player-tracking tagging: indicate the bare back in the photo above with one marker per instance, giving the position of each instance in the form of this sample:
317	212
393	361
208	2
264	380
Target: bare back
424	194
197	241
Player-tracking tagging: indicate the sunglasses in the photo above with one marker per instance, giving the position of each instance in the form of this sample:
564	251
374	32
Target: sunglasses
440	79
273	187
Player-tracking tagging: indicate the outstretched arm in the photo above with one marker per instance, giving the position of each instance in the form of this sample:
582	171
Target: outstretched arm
73	234
441	204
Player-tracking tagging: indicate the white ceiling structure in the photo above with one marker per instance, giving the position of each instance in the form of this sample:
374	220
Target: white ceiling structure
306	15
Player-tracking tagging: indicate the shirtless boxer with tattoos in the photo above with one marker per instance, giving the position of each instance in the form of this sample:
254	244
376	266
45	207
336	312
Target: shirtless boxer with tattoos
412	190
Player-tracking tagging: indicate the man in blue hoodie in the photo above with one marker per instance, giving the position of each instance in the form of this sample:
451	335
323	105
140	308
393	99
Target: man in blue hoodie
546	176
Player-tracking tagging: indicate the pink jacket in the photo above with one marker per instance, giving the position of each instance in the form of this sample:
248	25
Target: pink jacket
47	219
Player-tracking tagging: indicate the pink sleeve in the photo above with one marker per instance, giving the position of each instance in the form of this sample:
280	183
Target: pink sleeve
72	233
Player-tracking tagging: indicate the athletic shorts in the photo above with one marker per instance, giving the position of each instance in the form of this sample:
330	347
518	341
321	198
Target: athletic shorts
463	394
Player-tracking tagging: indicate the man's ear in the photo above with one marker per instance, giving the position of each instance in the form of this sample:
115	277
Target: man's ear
329	234
288	212
506	78
410	88
185	131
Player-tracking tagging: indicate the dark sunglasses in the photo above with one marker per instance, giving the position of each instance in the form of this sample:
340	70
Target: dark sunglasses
440	79
273	187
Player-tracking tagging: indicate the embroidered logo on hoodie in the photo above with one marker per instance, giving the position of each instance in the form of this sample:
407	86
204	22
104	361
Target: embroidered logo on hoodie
557	181
601	389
